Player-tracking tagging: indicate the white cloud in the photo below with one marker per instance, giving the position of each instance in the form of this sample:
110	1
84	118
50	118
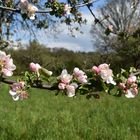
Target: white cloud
62	38
82	42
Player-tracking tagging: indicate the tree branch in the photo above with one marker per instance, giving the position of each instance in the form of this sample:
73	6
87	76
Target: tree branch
47	10
43	86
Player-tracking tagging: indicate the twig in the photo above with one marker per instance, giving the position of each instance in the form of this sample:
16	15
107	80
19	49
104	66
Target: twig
46	10
136	73
43	86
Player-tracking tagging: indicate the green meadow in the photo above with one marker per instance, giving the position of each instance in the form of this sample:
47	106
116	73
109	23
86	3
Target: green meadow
44	116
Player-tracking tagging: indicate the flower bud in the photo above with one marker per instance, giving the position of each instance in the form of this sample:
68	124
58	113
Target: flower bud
46	72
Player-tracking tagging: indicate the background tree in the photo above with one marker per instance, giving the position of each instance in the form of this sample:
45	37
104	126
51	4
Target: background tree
118	34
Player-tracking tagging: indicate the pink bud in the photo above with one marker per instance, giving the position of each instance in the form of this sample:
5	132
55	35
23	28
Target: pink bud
103	66
131	79
122	86
96	69
61	86
77	72
82	79
70	90
34	67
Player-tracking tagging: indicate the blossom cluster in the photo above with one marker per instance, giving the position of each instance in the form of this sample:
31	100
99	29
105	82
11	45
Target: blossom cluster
28	8
105	72
6	64
129	87
17	91
68	82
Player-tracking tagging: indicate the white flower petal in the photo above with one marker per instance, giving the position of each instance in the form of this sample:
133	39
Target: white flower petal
110	80
70	94
12	93
129	94
15	98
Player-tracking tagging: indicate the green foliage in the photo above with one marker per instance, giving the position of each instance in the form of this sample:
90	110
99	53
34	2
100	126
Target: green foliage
54	60
57	8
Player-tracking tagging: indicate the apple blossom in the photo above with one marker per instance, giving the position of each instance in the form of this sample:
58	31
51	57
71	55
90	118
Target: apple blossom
106	75
131	79
105	72
103	66
95	69
74	84
27	8
130	87
70	90
131	93
34	67
82	79
80	75
6	64
65	77
61	86
17	91
122	86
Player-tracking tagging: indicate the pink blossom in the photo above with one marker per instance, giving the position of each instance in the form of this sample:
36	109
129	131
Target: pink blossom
96	69
61	86
106	75
6	64
70	90
65	77
35	67
122	86
82	79
27	8
103	66
131	79
130	87
17	86
78	72
80	75
17	91
74	84
131	93
105	72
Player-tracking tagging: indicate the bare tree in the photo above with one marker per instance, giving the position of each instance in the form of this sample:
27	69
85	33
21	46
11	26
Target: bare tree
120	32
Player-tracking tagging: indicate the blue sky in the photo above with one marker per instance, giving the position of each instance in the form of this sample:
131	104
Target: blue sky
63	39
82	42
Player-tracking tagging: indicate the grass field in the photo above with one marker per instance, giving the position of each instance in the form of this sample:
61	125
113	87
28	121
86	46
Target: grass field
45	116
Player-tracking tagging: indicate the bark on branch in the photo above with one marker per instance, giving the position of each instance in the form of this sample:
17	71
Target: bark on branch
42	86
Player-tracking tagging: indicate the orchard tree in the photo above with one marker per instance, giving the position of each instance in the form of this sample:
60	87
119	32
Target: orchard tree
119	30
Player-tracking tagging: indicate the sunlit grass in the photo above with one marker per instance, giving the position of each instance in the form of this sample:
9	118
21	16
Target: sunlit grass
45	116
